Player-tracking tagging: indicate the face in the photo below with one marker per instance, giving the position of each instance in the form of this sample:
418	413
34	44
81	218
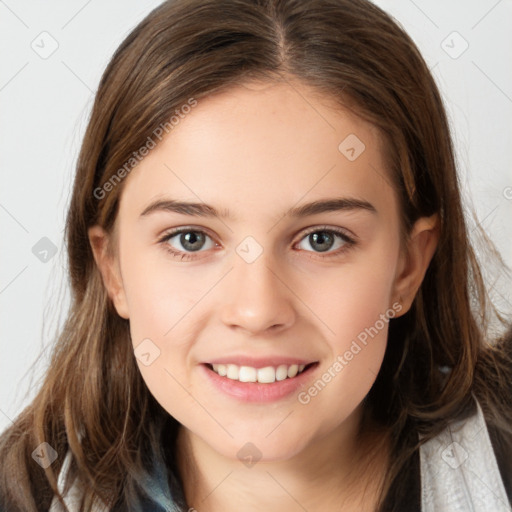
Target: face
298	271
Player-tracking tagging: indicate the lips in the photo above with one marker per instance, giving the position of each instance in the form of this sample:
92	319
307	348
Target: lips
238	382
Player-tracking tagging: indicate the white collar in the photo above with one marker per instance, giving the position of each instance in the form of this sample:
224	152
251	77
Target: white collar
459	471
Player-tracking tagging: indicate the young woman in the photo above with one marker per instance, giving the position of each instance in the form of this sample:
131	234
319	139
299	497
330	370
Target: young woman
276	305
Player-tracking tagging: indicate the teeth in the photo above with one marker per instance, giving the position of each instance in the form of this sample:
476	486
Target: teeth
282	372
293	370
233	372
265	375
247	374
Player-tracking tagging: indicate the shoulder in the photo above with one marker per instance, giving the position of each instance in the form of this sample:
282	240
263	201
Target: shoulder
153	494
494	377
502	446
460	468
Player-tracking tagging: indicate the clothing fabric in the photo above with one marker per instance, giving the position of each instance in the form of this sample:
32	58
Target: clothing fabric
458	472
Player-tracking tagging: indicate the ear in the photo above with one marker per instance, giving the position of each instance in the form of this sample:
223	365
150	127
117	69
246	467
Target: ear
109	268
415	259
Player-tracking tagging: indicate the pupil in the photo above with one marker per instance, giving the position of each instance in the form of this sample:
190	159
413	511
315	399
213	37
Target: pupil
319	239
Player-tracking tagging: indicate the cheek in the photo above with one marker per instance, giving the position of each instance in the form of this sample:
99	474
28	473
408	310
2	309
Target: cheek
354	296
354	303
161	297
356	350
162	302
160	307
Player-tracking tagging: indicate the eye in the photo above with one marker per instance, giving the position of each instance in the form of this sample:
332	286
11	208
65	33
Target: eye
322	240
183	241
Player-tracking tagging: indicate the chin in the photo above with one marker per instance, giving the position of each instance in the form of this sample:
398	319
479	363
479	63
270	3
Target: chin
259	445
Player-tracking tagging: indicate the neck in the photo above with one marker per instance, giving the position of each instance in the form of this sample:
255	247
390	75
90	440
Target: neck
343	470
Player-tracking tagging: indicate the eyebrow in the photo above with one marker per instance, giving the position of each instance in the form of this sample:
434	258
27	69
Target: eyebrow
305	210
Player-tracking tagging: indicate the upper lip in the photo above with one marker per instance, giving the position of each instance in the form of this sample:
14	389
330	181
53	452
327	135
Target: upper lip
260	362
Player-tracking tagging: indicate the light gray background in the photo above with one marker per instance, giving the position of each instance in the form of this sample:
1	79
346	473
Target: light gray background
44	104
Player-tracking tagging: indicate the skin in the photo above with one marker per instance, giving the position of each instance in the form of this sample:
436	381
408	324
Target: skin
259	150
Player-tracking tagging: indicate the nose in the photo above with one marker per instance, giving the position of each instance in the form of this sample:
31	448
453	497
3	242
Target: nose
257	298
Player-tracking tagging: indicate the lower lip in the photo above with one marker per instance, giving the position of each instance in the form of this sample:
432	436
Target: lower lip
256	392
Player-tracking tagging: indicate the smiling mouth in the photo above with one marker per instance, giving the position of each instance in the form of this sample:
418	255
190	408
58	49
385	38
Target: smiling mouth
266	375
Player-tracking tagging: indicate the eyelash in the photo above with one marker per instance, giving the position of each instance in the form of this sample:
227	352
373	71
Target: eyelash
187	256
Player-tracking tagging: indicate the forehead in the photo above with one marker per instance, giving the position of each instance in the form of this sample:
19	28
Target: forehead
256	147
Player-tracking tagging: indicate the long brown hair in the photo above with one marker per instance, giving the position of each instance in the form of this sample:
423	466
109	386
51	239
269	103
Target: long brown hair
352	52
